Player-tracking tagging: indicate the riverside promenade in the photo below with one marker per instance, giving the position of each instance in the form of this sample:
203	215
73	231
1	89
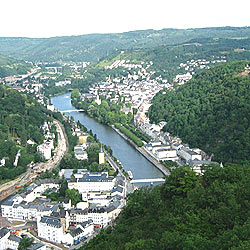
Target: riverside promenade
157	164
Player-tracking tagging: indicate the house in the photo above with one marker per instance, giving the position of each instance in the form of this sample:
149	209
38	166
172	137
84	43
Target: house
2	162
13	241
50	228
166	154
196	165
79	232
155	142
82	137
92	181
77	216
45	150
37	246
187	154
67	173
80	153
4	235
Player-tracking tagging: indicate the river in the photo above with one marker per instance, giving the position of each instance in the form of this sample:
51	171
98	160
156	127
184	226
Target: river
130	158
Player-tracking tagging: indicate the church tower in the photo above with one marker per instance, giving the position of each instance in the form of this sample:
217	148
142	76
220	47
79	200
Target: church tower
101	156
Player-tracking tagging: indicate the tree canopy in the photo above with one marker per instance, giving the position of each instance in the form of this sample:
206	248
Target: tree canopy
21	118
187	212
211	112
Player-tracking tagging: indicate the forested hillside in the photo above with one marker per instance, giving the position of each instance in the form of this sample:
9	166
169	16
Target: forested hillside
211	112
187	212
20	120
96	46
167	59
10	66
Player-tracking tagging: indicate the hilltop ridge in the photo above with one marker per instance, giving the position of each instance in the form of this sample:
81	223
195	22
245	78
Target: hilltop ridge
93	47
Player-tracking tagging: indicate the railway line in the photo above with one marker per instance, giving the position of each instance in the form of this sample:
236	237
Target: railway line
33	172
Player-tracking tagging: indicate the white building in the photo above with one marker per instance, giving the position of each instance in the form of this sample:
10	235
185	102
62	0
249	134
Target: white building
50	228
45	150
13	242
80	152
166	154
4	235
8	240
20	206
77	216
187	154
2	162
56	229
51	107
92	182
62	83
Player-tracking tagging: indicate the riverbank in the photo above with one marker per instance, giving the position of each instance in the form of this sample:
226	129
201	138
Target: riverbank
130	158
141	150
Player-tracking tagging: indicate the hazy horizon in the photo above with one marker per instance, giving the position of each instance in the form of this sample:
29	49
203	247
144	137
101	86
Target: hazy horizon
44	19
123	32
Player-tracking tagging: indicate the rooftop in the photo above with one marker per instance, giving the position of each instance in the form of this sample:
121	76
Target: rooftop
14	238
76	232
3	232
35	246
51	221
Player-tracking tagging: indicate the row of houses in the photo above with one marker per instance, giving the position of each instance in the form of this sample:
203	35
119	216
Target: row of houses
11	241
48	145
60	222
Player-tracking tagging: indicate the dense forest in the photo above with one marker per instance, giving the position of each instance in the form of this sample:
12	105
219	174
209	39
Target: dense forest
10	66
93	47
189	211
21	118
211	112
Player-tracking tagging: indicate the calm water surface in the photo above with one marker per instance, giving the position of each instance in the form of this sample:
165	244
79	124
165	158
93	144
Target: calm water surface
122	150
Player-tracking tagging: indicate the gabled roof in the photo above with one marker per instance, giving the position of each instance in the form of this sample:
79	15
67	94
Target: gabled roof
117	189
76	232
51	221
8	203
14	238
3	232
85	223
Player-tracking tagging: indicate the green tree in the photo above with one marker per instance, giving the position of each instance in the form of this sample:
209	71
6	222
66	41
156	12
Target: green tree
25	243
74	196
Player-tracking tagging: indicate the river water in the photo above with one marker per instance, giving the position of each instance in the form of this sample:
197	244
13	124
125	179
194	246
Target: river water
130	158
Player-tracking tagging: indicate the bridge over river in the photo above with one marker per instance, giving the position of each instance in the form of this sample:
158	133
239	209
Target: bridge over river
72	110
130	158
147	180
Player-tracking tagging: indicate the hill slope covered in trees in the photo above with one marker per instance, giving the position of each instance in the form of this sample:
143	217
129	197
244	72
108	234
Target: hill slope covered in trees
187	212
93	47
211	111
167	59
10	66
20	119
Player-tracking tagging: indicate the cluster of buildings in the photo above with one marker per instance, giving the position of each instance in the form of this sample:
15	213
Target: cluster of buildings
168	148
102	200
134	92
191	67
80	149
138	91
75	68
48	145
201	63
62	83
11	241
